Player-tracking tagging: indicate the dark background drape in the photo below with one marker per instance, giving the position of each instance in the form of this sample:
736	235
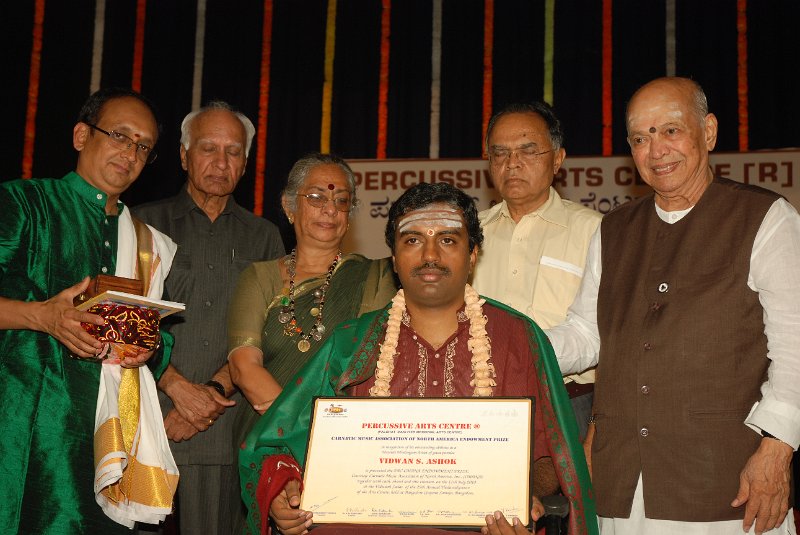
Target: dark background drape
705	49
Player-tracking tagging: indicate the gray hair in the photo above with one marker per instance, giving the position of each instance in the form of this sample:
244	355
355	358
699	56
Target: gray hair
700	102
249	129
542	109
303	166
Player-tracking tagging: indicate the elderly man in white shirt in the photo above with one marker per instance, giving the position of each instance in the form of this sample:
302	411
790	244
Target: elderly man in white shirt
670	133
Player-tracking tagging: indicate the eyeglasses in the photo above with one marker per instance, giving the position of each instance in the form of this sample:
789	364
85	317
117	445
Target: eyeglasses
119	140
318	200
526	153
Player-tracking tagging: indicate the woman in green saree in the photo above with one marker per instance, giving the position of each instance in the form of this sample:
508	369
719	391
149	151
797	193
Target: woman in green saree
284	309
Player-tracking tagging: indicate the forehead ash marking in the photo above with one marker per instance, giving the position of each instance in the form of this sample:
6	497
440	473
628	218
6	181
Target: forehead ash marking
443	217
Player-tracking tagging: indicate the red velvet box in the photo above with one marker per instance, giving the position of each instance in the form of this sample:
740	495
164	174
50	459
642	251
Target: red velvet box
129	330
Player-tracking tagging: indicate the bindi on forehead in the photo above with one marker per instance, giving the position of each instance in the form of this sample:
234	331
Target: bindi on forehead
652	130
328	187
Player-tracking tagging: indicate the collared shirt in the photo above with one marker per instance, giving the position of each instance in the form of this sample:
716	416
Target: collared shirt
536	265
210	257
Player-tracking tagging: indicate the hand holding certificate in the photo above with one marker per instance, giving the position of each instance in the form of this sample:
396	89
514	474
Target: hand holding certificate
443	462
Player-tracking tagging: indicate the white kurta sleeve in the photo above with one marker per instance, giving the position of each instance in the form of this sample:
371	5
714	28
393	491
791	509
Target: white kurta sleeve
775	275
576	342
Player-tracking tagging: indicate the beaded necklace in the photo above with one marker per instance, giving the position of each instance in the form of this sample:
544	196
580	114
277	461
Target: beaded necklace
287	315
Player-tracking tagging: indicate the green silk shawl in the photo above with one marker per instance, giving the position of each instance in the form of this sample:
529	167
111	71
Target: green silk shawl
349	356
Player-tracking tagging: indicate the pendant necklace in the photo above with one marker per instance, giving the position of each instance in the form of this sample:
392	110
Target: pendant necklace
287	315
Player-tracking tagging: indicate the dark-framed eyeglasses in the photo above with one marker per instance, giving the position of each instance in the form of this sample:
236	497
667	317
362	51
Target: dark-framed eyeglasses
318	200
118	140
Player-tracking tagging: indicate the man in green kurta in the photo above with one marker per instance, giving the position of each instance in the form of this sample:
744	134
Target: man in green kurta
54	234
436	339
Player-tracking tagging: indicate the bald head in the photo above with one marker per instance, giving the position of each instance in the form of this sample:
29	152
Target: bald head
670	134
677	89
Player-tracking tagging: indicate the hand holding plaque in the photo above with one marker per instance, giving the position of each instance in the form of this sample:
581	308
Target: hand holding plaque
131	324
104	283
58	317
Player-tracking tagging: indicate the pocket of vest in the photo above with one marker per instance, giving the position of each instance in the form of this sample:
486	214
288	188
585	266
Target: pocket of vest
719	414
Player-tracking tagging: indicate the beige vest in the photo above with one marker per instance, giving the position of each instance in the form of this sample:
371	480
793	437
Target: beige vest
682	358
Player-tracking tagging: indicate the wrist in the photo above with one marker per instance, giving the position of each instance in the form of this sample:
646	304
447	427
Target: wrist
170	379
775	444
216	385
31	314
771	437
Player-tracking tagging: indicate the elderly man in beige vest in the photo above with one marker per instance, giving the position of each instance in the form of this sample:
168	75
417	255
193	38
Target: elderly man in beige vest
692	310
535	242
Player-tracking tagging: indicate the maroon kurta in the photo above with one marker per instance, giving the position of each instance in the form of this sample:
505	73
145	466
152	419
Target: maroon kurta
344	366
422	371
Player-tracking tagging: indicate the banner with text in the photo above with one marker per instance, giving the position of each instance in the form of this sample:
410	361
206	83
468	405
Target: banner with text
601	183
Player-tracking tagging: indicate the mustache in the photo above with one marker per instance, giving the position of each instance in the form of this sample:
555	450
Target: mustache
428	266
125	163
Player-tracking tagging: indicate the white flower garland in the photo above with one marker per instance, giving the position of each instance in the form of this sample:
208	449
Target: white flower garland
479	345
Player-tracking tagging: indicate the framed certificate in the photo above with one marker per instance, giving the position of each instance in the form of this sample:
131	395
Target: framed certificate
419	461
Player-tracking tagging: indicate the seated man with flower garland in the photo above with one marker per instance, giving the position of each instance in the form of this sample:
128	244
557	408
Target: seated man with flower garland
437	338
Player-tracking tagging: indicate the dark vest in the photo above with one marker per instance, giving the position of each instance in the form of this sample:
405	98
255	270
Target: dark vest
682	355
